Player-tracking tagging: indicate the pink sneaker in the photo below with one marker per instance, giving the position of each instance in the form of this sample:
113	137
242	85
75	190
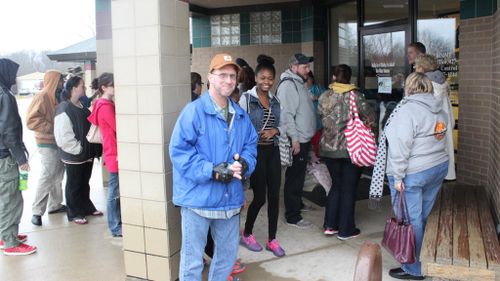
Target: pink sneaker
20	237
330	231
274	246
21	250
250	243
238	268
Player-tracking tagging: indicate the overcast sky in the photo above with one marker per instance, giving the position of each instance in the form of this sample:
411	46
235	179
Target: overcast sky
44	24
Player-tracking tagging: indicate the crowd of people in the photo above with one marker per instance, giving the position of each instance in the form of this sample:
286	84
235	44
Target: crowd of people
415	145
60	118
229	137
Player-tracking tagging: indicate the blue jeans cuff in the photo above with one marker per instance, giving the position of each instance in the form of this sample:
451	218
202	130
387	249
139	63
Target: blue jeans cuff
411	272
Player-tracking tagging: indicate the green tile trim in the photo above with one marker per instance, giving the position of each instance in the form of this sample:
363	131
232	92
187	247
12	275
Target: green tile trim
477	8
197	43
245	18
244	28
484	8
245	39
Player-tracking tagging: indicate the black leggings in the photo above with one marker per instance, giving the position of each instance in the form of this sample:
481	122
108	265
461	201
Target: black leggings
265	180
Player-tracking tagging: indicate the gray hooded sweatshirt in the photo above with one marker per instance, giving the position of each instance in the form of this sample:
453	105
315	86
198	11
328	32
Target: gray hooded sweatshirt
297	114
414	145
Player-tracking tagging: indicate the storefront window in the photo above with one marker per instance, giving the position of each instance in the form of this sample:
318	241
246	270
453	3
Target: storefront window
379	11
344	37
437	28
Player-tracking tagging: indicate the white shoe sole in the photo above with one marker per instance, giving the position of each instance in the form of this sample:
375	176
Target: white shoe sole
20	241
19	254
300	227
347	238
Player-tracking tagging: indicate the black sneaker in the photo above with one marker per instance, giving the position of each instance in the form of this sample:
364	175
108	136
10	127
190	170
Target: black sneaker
62	209
36	220
399	273
355	234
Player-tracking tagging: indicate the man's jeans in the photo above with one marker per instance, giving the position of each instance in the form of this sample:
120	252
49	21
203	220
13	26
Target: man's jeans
294	184
49	189
114	215
421	190
225	233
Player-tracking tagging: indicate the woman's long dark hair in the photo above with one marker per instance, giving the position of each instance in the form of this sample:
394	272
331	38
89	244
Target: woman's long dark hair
105	79
72	82
246	77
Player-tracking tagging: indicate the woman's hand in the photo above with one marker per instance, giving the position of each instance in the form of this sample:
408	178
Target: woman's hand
269	134
399	186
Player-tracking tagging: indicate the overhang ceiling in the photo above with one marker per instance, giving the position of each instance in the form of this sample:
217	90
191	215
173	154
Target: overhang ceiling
214	4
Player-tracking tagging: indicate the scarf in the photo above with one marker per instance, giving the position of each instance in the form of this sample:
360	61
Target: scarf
377	183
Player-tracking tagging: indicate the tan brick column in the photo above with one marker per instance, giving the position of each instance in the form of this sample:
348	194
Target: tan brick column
151	66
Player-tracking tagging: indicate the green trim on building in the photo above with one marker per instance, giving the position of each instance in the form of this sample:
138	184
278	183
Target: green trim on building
201	32
477	8
298	25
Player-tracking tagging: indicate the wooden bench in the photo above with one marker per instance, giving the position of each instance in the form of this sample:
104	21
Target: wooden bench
460	241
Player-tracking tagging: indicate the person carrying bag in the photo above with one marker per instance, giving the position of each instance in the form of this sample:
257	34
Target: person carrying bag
399	236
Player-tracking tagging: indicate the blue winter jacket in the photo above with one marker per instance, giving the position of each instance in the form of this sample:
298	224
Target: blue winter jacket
202	139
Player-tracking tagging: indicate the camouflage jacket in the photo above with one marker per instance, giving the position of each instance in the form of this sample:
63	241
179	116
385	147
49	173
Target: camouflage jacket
334	112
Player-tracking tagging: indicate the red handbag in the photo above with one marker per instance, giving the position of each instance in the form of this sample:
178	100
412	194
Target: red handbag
361	143
399	236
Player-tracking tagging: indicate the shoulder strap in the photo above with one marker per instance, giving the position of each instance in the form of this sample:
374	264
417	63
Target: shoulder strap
287	79
247	96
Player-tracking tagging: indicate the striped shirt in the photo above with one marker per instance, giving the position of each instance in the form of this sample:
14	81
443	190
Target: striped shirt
270	125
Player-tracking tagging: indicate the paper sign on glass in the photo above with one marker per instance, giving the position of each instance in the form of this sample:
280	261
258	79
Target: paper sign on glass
385	85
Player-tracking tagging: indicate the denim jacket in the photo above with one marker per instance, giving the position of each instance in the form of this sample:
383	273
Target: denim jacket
250	103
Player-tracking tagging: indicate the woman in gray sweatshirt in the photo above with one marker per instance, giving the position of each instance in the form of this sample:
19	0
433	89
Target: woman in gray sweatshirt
417	160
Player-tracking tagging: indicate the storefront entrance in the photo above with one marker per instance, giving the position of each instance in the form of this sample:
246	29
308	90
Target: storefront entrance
372	38
383	61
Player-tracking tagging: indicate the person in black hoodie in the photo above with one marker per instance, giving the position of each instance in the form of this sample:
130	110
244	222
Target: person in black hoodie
12	158
70	130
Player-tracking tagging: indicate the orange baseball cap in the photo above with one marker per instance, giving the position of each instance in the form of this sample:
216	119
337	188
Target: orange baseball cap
221	60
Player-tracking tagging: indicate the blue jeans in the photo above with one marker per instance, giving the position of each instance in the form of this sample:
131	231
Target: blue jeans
421	190
114	214
225	233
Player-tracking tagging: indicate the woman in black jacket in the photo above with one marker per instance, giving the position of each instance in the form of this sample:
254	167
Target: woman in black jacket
70	130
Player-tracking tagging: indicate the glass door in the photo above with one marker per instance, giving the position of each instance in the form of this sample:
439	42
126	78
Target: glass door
384	63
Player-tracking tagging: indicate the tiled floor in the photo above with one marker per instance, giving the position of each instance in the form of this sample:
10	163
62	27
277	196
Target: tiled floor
73	252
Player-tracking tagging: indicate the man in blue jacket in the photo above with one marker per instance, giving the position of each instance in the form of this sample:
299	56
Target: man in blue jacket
213	146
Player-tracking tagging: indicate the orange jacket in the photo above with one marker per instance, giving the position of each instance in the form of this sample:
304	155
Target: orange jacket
42	110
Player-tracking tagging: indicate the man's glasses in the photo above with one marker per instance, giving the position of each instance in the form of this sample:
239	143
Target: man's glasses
224	76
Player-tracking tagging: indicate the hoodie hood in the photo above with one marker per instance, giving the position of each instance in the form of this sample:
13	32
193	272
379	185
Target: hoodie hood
290	75
436	76
98	104
8	73
428	101
341	88
50	82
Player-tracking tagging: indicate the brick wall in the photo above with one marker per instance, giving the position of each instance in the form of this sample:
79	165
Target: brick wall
281	53
494	171
479	116
475	94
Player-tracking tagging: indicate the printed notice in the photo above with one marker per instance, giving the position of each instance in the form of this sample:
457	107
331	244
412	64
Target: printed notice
385	85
